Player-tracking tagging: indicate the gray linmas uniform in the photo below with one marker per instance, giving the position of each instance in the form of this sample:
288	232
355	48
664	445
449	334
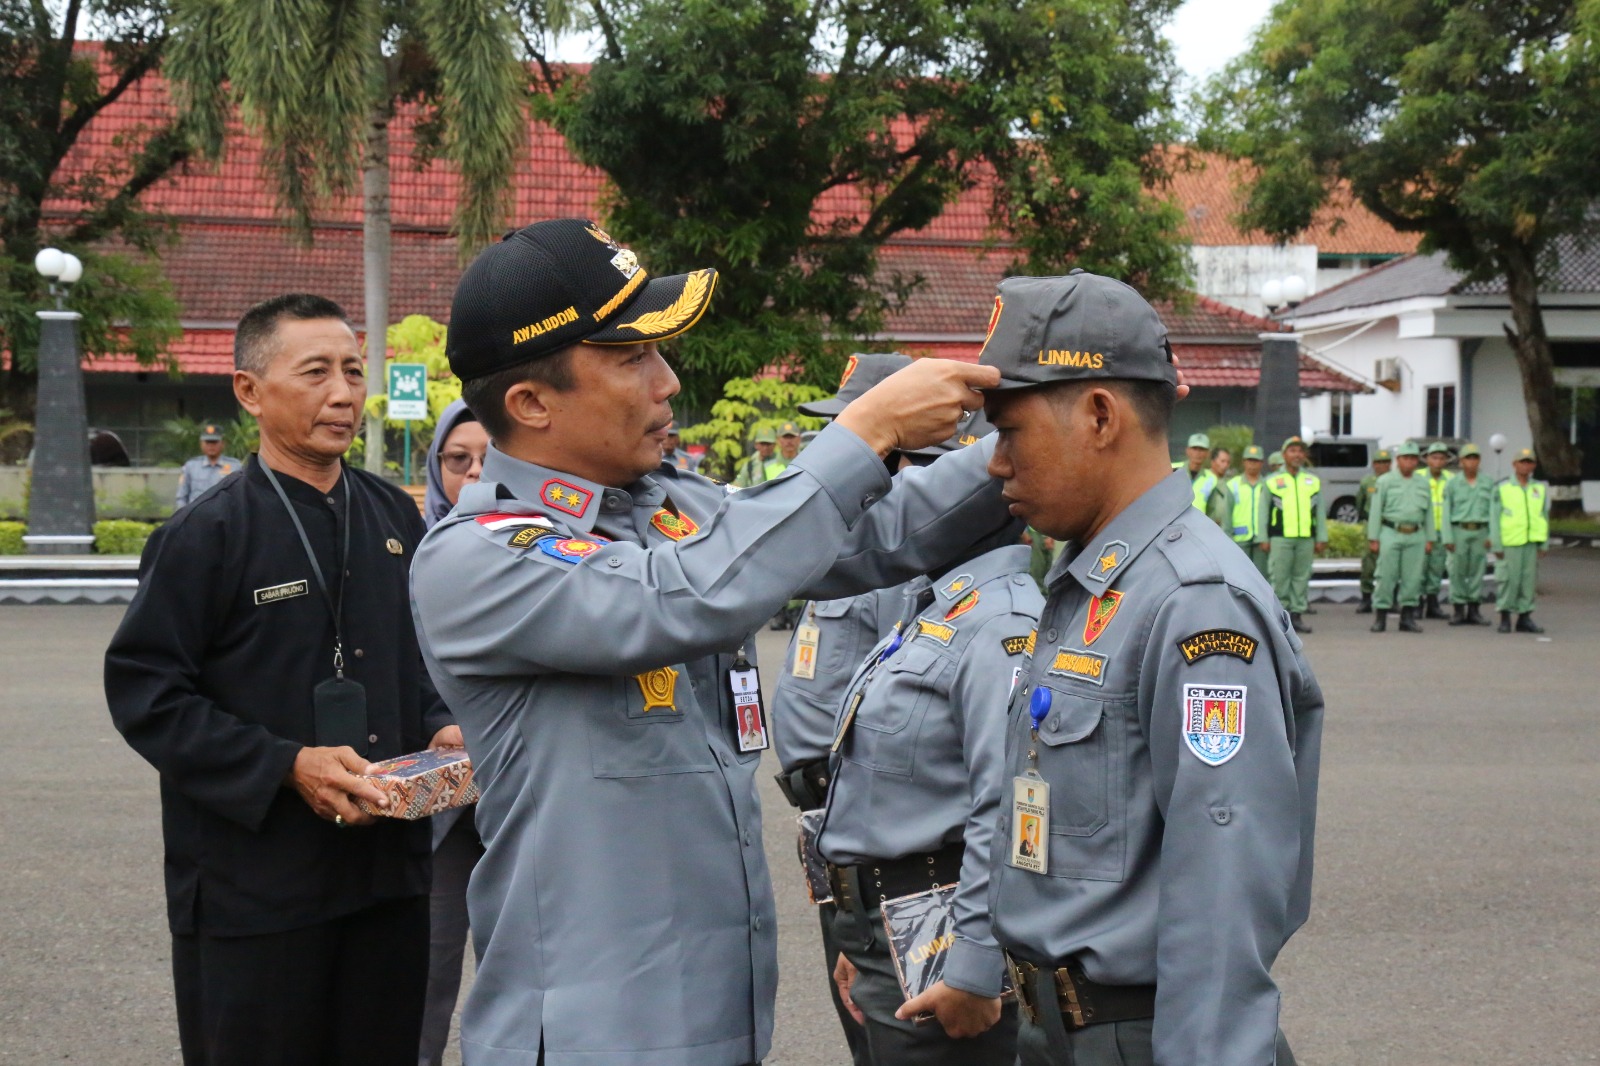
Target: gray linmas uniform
623	909
1175	862
200	473
921	768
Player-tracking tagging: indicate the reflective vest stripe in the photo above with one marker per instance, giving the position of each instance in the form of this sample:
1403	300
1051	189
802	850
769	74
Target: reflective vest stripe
1293	496
1203	486
1522	519
1246	500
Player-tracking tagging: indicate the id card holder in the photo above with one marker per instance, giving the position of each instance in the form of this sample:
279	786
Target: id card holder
1030	823
339	712
807	639
749	719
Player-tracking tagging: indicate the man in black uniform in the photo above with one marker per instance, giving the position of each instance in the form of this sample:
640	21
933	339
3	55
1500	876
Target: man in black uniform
267	659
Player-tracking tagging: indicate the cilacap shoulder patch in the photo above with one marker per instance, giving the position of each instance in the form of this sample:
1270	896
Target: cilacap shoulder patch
1213	721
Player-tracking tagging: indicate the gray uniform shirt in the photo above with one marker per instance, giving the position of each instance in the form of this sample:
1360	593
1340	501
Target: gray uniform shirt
200	473
623	909
923	763
1164	866
804	708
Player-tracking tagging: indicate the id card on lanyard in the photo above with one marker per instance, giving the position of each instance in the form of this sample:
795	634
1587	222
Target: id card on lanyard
749	718
1030	799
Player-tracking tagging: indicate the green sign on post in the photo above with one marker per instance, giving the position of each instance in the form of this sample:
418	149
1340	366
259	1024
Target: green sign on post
408	399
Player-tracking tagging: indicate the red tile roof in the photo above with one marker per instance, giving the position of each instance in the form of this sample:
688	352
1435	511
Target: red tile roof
1239	366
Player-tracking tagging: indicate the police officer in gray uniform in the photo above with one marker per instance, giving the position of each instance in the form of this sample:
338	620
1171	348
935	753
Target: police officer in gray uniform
917	780
207	468
588	621
1162	748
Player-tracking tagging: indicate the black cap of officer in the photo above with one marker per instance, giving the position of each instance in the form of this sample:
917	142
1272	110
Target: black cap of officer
1078	327
861	372
552	284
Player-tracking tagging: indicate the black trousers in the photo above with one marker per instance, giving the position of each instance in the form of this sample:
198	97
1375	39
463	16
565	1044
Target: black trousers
347	992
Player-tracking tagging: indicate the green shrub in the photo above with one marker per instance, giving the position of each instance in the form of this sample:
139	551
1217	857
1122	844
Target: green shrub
1346	539
11	538
1234	438
1577	526
118	536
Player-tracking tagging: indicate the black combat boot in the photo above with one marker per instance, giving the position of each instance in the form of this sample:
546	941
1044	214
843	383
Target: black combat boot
1474	618
1526	624
1458	614
1310	609
1505	622
1366	604
1299	626
1381	623
1408	620
1433	608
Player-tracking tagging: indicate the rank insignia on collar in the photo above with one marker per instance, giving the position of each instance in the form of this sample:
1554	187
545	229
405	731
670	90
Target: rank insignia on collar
1197	646
1112	555
564	496
1213	721
963	605
933	630
570	549
956	587
676	526
659	687
1101	610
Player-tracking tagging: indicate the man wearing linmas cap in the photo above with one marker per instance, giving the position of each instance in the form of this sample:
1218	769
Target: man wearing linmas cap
589	615
1165	728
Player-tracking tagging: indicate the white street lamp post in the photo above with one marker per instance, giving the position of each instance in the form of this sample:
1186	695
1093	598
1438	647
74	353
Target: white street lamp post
61	489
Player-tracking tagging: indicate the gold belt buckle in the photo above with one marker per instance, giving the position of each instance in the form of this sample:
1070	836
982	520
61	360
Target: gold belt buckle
1021	978
1069	998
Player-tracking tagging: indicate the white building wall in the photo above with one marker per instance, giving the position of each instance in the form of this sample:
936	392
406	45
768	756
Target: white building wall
1498	407
1388	416
1234	274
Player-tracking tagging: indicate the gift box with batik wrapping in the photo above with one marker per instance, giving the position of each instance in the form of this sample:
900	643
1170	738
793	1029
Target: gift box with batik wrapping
424	783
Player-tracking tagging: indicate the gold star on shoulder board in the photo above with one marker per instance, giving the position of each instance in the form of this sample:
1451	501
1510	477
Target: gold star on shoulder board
1108	561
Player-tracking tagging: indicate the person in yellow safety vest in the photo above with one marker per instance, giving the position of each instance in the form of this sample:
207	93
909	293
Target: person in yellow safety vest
1209	495
1294	518
1519	528
1244	494
1438	560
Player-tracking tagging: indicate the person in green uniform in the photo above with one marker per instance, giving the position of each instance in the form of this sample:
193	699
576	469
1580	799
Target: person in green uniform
1519	529
1294	519
1244	501
753	471
1468	499
1274	462
1400	530
1438	478
1381	463
1209	495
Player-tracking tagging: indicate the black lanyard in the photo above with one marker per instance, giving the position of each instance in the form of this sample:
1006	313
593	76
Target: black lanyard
335	608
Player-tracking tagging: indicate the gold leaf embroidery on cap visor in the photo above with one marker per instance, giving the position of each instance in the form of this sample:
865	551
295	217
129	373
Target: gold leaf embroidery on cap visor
682	311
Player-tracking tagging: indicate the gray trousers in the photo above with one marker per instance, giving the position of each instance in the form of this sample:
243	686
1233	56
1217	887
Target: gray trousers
1112	1044
454	856
892	1042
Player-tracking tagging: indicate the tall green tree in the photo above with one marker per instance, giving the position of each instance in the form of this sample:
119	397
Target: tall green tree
785	141
1470	122
320	81
52	91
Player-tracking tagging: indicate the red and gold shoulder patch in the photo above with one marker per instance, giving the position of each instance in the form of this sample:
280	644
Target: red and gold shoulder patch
1102	609
564	496
676	526
962	606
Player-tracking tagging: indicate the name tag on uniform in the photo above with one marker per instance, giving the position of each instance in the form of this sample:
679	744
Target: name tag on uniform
1030	823
285	591
749	721
807	639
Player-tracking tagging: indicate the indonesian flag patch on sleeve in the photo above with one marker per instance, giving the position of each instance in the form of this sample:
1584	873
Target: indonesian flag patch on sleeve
1213	721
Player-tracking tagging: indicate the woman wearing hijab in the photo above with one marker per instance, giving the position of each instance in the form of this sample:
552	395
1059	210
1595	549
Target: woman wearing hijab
455	459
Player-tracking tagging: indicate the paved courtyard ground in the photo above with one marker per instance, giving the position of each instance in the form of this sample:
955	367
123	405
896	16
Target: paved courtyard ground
1457	910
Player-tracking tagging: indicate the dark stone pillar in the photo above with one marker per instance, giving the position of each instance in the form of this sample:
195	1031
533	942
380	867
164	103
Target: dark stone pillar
61	491
1278	396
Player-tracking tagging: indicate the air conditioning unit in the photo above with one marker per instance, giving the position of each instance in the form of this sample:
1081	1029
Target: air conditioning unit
1386	372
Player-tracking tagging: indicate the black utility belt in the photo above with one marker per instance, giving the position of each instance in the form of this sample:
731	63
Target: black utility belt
1403	527
868	884
806	786
1082	1002
1470	525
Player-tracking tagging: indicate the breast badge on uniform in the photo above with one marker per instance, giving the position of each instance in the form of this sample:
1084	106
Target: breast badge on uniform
676	526
962	606
394	546
1112	554
1213	721
1084	665
1101	610
564	496
934	631
956	587
570	549
1197	646
659	687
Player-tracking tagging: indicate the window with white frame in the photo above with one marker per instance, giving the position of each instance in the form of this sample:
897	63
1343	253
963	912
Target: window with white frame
1340	405
1441	420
